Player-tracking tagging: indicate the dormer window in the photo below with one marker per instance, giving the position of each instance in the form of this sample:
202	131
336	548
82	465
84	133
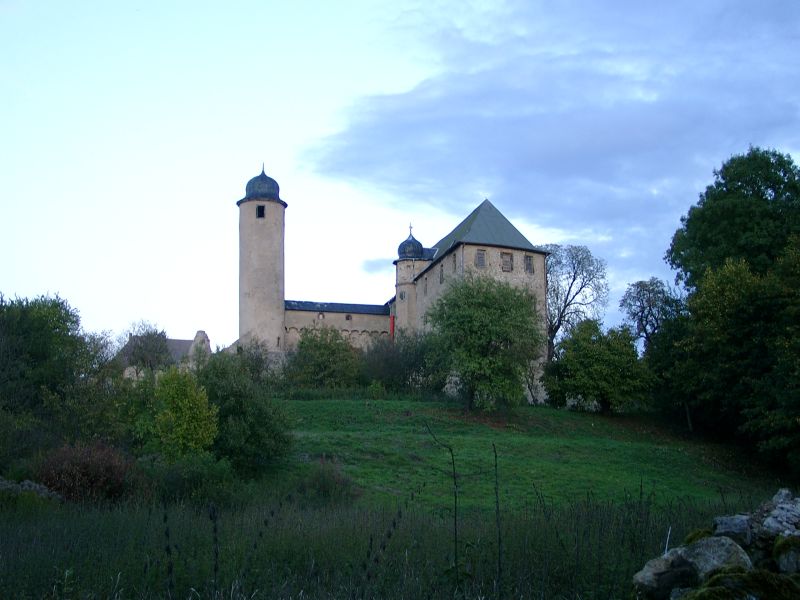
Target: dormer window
260	211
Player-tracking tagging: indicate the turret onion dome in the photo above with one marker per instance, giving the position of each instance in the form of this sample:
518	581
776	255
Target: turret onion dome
410	248
262	187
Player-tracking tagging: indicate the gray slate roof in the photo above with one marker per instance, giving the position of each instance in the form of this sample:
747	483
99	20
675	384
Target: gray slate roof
336	307
485	226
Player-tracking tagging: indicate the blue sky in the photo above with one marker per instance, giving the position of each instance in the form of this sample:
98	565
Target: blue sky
128	131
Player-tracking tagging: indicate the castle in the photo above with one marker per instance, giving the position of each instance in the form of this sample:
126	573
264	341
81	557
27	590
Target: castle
483	243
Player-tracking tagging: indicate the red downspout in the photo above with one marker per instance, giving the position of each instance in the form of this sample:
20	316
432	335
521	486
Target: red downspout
391	327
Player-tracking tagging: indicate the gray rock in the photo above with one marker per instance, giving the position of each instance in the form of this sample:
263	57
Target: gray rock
736	527
789	560
773	526
713	553
783	495
661	575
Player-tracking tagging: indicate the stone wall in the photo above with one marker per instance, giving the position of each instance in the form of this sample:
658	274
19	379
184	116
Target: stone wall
359	329
754	556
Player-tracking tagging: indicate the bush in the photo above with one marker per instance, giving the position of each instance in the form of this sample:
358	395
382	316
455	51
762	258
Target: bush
404	363
327	483
323	359
593	368
177	419
86	473
253	431
198	477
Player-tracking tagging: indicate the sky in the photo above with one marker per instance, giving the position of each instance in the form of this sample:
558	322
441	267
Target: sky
128	131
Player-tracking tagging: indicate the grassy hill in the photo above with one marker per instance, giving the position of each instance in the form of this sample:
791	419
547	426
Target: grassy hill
385	447
585	501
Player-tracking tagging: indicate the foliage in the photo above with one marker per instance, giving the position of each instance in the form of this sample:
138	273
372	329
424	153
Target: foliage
595	367
146	348
177	420
647	305
323	359
86	472
407	362
576	289
490	332
326	483
253	430
285	547
42	352
742	353
198	476
748	213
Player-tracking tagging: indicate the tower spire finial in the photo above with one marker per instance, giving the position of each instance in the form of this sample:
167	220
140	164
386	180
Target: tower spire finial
409	229
262	168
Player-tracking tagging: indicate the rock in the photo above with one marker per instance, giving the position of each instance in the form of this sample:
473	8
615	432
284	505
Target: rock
787	554
661	575
783	495
736	527
712	554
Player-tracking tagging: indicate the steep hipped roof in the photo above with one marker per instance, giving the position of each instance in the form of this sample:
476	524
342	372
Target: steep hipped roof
486	226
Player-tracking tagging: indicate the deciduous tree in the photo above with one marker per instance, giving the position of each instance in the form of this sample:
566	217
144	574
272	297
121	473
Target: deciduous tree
747	213
491	332
647	305
576	289
596	367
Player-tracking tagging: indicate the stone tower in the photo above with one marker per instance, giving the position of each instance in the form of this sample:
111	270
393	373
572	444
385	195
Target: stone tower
410	263
261	268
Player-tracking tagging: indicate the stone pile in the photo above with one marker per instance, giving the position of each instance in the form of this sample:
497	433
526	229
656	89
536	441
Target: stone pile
752	556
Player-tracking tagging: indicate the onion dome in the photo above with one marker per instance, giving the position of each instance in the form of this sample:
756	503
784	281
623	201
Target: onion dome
410	248
262	187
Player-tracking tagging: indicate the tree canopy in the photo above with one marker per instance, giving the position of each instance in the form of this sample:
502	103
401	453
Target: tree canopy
490	332
647	305
747	213
43	352
592	366
576	289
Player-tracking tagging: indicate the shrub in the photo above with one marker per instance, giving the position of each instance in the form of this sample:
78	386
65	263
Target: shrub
324	358
177	419
197	476
407	362
327	483
596	367
253	431
86	473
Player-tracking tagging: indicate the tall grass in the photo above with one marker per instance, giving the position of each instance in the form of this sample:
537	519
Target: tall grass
587	548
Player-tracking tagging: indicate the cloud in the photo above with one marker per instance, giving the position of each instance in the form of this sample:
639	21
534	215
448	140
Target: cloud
604	124
377	265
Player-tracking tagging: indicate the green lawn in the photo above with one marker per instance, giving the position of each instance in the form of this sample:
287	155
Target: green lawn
385	447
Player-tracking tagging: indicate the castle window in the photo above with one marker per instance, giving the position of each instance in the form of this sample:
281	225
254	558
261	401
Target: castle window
528	263
321	316
454	263
260	211
402	296
425	287
508	261
441	273
480	259
348	318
